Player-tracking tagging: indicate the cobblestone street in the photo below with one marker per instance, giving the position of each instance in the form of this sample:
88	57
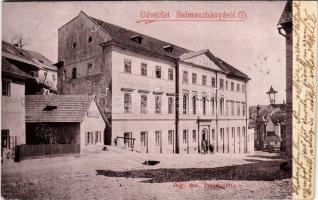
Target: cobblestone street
120	174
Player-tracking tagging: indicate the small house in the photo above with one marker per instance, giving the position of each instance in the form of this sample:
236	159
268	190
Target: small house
72	120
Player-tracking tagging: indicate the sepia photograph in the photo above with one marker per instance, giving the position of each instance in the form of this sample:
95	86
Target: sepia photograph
150	100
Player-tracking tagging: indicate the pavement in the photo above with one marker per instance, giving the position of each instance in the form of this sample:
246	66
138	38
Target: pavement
121	174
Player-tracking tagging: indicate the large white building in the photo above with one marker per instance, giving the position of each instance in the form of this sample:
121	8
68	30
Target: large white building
156	97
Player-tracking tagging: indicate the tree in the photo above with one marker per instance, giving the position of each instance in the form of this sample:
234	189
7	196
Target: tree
19	40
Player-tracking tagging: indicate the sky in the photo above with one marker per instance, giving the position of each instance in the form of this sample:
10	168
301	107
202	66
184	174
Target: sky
252	46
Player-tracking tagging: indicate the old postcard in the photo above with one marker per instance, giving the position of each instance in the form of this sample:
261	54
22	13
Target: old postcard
158	100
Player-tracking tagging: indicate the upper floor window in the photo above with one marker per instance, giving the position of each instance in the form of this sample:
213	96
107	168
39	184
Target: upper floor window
90	39
185	77
194	105
6	87
170	105
213	82
213	134
74	45
143	104
238	108
89	68
238	88
74	73
221	83
243	88
170	74
232	108
158	72
213	106
185	104
232	86
185	133
127	64
221	106
194	136
157	137
243	109
158	104
194	78
226	108
127	103
203	80
204	105
226	85
143	69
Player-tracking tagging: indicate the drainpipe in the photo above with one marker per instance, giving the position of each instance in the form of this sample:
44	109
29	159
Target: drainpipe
216	109
177	151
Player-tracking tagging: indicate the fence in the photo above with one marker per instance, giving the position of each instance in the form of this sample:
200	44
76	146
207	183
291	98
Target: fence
30	151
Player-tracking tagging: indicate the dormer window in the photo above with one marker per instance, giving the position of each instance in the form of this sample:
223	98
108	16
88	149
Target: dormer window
137	39
51	106
168	48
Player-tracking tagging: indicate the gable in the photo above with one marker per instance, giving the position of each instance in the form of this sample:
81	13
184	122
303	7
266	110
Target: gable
203	60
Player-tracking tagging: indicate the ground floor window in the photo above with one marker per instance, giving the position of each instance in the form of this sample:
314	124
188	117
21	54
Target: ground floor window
194	136
128	139
98	137
89	138
157	138
213	134
143	139
185	133
170	137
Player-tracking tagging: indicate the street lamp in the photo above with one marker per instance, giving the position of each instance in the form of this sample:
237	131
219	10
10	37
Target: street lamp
272	95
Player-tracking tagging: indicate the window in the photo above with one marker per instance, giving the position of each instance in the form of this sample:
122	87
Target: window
170	74
232	86
158	72
64	75
194	136
213	107
221	106
90	39
158	104
89	138
127	64
185	133
143	69
98	136
243	88
143	103
6	87
213	134
185	77
194	105
233	133
53	77
226	108
222	133
74	45
168	48
127	103
238	88
194	78
185	104
74	73
226	85
170	137
238	108
221	83
45	74
204	105
232	108
203	80
157	137
127	139
243	109
213	82
143	139
170	105
137	39
89	68
5	138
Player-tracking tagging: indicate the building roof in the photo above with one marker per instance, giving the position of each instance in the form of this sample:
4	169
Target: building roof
150	44
32	58
57	108
286	16
155	46
9	68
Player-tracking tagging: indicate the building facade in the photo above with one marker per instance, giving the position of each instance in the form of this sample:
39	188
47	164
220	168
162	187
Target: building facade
156	97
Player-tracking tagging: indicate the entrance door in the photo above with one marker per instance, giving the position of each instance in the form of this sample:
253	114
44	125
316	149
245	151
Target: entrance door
204	139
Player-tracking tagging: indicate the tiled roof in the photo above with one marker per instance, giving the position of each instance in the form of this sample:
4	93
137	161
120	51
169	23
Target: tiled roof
10	69
41	60
150	44
233	70
70	108
286	16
